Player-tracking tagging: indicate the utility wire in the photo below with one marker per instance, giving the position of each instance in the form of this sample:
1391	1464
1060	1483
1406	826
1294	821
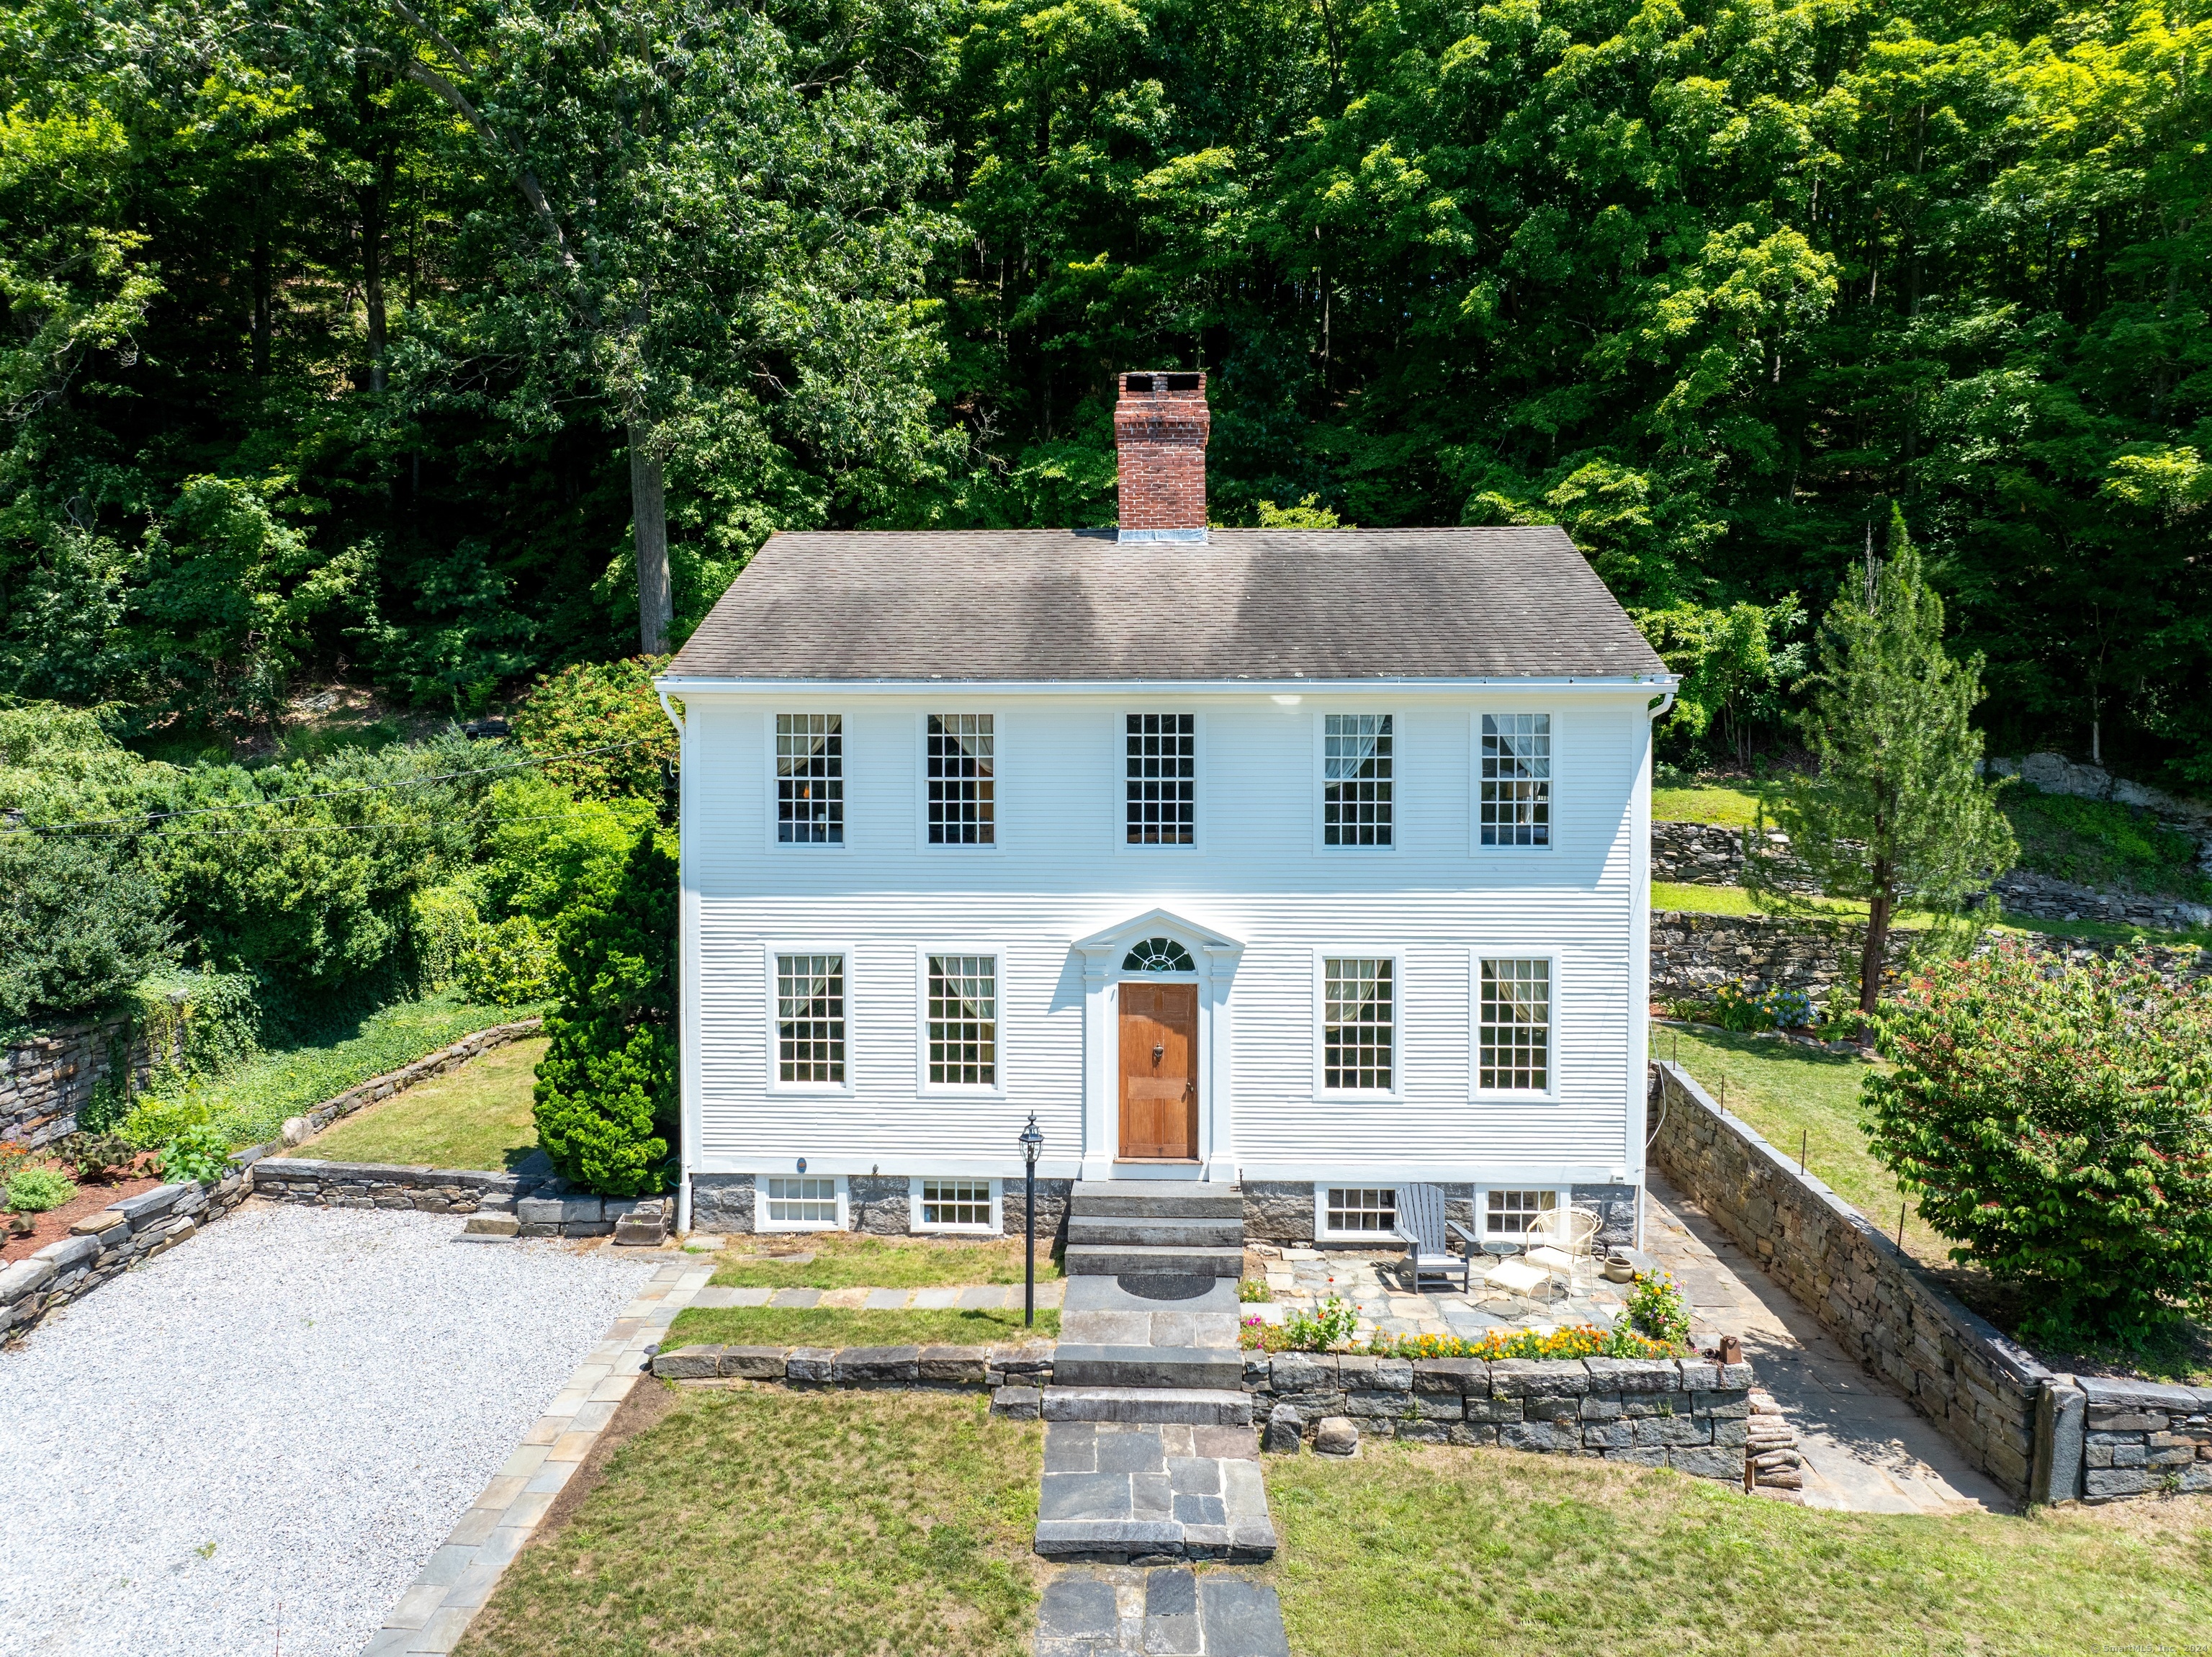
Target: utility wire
141	822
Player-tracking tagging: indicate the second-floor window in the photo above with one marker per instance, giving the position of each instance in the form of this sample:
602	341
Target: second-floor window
1516	780
1356	805
810	779
962	779
1162	776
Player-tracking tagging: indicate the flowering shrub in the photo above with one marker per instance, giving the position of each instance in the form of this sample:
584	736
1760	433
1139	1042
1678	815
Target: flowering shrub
1656	1308
1327	1325
1788	1009
1254	1291
2056	1124
1735	1007
1579	1340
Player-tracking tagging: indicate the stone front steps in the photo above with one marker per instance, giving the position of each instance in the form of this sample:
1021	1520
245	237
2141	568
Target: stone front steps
1121	1491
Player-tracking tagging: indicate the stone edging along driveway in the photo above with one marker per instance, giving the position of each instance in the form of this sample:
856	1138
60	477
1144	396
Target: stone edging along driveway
432	1615
135	1229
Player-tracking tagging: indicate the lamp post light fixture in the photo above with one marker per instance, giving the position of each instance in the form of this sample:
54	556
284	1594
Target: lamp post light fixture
1032	1144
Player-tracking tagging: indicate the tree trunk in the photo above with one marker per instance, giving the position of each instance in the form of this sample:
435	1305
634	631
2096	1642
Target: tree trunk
260	298
1877	946
376	205
648	508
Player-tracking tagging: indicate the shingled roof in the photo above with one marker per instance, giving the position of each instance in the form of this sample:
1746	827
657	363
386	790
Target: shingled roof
1080	605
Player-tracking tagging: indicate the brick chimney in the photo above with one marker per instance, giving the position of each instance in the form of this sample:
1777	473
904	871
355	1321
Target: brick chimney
1160	424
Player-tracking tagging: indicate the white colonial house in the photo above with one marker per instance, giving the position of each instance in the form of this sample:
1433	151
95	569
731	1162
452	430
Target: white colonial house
1313	861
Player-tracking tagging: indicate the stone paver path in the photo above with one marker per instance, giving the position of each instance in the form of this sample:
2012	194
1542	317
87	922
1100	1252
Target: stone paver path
1865	1448
978	1297
1130	1612
1158	1488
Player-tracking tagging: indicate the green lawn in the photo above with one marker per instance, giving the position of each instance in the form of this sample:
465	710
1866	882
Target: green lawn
477	1116
850	1260
1471	1553
251	1101
779	1325
1704	802
775	1524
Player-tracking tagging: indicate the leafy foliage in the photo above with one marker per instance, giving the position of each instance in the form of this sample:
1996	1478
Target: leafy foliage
506	964
606	1087
199	1153
35	1191
2057	1123
596	706
2102	843
1657	1311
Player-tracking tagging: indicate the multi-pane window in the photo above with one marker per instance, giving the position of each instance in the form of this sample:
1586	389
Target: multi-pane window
1356	780
963	1021
802	1202
962	1203
1510	1212
1363	1208
1163	779
1158	955
1355	1024
1513	1038
962	774
809	778
810	1018
1517	779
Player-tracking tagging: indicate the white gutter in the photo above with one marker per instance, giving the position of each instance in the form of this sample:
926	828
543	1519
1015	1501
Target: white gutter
687	1054
1158	687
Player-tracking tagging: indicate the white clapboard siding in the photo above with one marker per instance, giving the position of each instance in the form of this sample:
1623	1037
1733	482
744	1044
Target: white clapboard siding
1060	873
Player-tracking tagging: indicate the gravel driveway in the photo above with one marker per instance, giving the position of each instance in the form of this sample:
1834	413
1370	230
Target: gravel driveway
291	1409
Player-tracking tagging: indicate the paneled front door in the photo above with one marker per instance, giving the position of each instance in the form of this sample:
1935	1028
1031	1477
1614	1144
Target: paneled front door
1159	1070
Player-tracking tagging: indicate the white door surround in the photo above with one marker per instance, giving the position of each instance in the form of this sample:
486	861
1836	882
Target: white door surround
1214	956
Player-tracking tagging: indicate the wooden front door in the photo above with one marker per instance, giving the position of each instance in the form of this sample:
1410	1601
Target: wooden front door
1159	1070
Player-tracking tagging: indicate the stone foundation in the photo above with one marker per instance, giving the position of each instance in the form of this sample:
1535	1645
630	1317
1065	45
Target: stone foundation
723	1204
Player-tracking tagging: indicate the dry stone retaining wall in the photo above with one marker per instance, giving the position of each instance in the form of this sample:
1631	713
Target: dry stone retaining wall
116	1238
46	1078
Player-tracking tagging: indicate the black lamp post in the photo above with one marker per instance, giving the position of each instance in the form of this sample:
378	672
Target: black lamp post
1032	1144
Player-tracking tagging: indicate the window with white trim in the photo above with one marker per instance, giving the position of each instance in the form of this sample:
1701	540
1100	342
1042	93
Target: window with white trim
956	1205
810	779
1161	773
810	1019
963	1021
807	1201
963	767
1510	1214
1360	1210
1516	780
1356	780
1513	1038
1357	1024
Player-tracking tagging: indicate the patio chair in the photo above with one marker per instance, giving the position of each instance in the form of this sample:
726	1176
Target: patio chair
1427	1234
1560	1237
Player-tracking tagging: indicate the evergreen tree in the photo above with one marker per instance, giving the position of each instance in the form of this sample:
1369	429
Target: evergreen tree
1895	810
606	1087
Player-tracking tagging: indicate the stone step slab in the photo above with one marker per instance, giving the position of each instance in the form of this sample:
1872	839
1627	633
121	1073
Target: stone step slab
1129	1259
1184	1405
1155	1199
1205	1367
1136	1612
1145	1232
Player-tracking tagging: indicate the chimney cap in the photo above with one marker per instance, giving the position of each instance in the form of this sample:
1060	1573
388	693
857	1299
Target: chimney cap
1153	379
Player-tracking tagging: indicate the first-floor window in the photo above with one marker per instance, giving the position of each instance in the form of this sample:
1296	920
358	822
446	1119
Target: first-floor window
1357	1015
963	1021
809	1202
1363	1208
810	1019
1514	1041
1510	1212
962	1203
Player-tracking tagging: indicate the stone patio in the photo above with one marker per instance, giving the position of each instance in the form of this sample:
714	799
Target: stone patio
1374	1283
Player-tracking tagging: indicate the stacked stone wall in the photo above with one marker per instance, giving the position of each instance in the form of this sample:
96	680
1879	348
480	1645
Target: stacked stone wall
46	1078
119	1236
1979	1388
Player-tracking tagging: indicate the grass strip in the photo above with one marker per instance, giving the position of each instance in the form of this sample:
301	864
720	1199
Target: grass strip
1735	900
782	1325
844	1260
1465	1553
251	1101
1705	803
771	1524
477	1116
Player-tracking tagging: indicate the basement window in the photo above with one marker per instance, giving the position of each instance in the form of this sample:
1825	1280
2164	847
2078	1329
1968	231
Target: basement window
1351	1211
956	1205
802	1204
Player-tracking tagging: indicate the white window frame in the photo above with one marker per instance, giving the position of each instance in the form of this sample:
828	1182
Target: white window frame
769	781
959	849
774	1079
1324	1233
915	1223
1199	801
1396	1091
924	1086
1474	785
1476	1091
1320	784
1564	1196
762	1223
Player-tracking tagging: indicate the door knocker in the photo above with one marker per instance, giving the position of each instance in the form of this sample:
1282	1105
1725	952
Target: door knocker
1159	1051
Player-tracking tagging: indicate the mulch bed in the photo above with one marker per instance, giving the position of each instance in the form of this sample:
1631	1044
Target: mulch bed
54	1224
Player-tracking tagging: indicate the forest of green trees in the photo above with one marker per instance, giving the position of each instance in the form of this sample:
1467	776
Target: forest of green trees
374	338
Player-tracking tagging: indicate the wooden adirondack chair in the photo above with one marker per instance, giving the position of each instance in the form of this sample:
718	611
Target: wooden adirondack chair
1427	1235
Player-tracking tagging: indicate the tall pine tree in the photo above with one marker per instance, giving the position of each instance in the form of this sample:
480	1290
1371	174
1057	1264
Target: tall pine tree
1895	811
